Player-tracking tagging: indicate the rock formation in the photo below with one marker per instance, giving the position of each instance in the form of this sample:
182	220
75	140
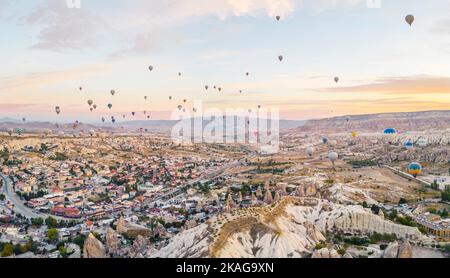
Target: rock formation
112	241
93	248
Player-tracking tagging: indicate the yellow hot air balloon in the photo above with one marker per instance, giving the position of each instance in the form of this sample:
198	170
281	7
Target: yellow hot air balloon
354	134
415	169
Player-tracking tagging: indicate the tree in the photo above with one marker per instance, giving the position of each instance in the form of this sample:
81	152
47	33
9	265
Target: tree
51	222
37	222
8	250
63	251
2	197
53	234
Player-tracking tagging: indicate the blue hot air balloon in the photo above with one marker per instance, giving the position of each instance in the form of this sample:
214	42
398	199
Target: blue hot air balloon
325	140
409	145
390	131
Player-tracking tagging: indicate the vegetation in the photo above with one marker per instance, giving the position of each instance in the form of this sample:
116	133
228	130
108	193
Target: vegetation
376	238
59	157
52	235
362	163
445	195
8	250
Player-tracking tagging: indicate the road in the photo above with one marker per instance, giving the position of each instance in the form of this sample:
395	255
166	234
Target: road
177	192
19	206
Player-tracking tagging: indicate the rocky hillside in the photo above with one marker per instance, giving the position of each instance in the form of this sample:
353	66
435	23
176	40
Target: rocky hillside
292	228
375	122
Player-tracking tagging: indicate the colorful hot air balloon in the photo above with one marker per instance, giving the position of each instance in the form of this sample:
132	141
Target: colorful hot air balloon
309	151
354	134
415	169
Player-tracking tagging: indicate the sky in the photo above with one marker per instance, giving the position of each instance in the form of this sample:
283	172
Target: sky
49	49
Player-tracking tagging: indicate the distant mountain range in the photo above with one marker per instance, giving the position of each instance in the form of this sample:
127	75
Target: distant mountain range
402	121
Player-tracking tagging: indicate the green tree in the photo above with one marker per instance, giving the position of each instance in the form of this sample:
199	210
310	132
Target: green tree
8	250
51	222
63	251
37	222
52	235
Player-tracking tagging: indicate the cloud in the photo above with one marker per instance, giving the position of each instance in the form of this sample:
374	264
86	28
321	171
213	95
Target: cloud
33	80
138	24
419	84
63	28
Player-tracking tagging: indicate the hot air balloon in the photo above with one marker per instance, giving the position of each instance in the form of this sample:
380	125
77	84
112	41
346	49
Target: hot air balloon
148	117
170	98
324	140
278	18
92	109
390	131
24	120
80	88
123	116
309	151
110	106
280	58
145	112
240	91
94	106
58	110
409	19
409	145
179	74
145	97
180	107
206	87
103	119
184	100
92	132
10	131
247	73
259	106
354	134
150	68
90	102
333	156
220	89
336	79
415	169
422	142
133	113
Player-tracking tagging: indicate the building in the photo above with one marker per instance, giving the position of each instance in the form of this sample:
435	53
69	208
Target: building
435	225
